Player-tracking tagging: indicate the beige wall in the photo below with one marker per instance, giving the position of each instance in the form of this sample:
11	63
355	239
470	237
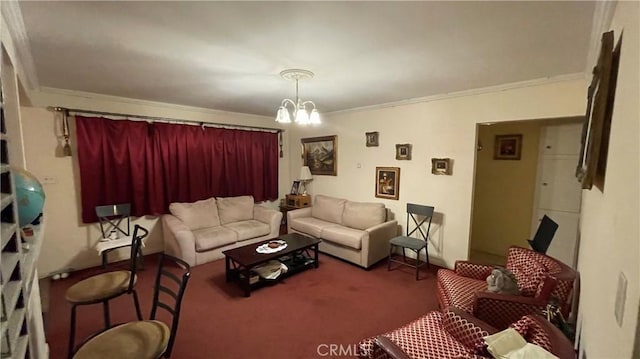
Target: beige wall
610	218
69	242
442	128
504	190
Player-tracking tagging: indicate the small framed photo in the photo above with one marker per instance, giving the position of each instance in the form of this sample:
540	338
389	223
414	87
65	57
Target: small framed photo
294	187
403	152
508	147
388	182
372	139
441	166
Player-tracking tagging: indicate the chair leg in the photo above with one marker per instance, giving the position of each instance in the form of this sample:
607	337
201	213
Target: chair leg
72	331
107	322
417	265
137	304
389	260
426	253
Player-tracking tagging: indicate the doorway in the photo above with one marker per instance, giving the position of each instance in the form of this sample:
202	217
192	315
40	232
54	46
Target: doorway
512	193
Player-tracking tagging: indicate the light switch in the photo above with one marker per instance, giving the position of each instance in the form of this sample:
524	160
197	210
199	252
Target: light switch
49	180
621	294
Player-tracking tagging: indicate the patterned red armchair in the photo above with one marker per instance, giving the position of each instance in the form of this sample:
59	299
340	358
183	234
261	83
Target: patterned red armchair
455	334
541	279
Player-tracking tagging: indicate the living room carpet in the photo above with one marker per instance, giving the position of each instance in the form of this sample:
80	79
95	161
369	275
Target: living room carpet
303	316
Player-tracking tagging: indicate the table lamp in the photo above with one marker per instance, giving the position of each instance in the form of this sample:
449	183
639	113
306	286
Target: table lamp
305	176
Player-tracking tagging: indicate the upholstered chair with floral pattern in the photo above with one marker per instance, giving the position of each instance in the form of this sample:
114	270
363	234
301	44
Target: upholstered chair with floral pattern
541	279
455	334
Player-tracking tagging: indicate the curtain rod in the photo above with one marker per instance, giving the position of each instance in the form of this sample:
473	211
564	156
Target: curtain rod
154	118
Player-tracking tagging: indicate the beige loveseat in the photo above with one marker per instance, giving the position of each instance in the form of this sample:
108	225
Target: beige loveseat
198	232
357	232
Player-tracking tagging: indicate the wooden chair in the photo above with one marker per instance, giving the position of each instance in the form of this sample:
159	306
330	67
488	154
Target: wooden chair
145	339
101	288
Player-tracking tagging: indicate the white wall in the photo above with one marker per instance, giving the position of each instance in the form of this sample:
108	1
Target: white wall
69	242
610	218
442	128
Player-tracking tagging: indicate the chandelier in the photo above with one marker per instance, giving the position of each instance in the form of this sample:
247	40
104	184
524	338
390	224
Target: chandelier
299	107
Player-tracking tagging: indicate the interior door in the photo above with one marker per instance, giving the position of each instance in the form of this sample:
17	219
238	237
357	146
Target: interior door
558	191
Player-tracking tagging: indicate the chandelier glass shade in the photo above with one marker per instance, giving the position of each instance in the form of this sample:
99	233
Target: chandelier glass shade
303	112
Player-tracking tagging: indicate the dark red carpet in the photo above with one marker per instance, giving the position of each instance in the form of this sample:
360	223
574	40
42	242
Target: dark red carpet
301	317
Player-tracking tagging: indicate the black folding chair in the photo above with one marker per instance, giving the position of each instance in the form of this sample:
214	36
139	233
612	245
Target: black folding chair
544	235
420	215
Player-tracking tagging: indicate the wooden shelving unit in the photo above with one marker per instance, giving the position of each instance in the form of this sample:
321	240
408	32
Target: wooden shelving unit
21	328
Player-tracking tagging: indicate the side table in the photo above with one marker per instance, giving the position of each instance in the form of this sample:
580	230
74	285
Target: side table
103	247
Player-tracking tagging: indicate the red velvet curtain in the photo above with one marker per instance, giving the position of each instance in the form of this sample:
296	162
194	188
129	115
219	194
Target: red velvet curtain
151	165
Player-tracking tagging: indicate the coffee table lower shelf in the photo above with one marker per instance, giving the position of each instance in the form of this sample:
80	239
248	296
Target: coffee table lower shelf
297	258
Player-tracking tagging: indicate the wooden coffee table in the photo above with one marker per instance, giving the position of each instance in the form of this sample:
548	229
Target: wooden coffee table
239	261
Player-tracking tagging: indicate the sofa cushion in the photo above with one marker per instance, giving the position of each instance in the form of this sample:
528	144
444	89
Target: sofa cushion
345	236
469	332
235	209
249	229
213	237
197	215
309	225
459	290
422	338
328	208
361	215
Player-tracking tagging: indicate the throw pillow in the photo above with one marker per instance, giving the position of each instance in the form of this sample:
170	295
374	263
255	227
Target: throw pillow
502	343
235	209
196	215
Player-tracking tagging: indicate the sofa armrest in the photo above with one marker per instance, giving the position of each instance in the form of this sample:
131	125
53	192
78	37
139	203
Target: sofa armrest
297	213
269	216
473	270
377	247
500	310
561	346
179	240
390	348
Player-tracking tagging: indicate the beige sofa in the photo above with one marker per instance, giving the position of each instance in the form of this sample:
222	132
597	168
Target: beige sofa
198	232
357	232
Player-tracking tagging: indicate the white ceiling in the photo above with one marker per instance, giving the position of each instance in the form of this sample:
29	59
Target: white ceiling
228	55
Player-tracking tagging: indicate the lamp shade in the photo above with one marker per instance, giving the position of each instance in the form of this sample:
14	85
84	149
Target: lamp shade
305	174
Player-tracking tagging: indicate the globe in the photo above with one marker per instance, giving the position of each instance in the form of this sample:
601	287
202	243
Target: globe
29	196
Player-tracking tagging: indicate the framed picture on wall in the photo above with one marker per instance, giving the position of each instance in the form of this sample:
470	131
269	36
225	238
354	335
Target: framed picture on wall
592	161
441	166
372	139
508	147
319	153
388	182
403	151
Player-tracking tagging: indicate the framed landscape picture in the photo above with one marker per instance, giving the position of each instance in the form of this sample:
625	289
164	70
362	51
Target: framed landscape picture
388	182
441	166
319	153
